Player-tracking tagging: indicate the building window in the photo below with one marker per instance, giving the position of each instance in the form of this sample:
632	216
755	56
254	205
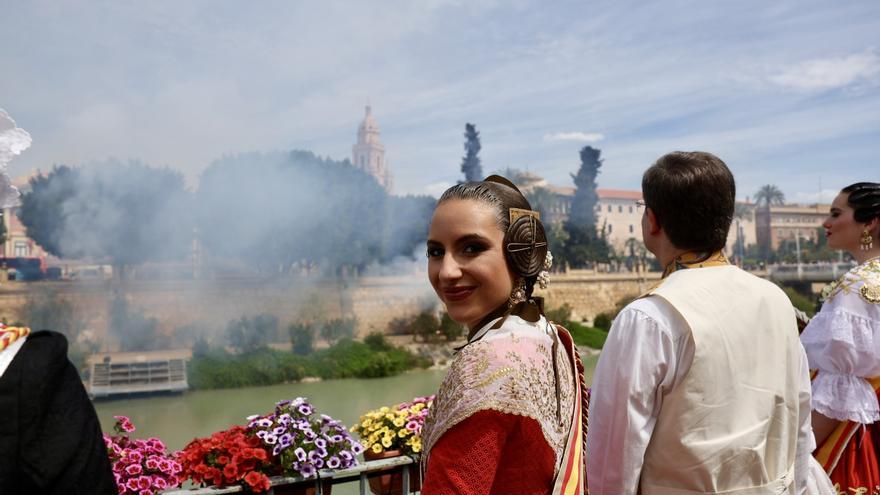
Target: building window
609	208
21	249
630	209
609	226
619	208
630	228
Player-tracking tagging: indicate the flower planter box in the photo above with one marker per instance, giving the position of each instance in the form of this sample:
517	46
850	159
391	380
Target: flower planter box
392	483
302	489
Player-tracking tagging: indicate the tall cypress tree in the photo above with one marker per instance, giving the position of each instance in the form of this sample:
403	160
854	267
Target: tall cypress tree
470	164
585	245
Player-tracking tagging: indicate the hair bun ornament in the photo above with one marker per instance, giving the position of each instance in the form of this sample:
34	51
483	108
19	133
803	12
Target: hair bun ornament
525	243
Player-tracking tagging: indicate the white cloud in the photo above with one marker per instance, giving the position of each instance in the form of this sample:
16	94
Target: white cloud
829	73
437	188
583	137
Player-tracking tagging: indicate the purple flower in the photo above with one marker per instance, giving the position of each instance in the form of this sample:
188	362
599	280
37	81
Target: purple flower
336	438
357	448
285	440
346	455
270	439
264	423
412	426
285	419
321	443
279	430
305	409
310	434
314	456
333	462
307	470
262	434
300	454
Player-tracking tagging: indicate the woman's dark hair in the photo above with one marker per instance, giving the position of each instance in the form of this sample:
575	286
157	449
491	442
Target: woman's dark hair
692	195
864	198
503	195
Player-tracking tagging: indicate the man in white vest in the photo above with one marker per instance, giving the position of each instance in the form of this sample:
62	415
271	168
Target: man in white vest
702	386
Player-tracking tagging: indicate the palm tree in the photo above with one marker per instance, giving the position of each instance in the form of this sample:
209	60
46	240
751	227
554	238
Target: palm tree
769	195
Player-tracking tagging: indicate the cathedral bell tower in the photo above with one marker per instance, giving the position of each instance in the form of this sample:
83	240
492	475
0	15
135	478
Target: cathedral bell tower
369	153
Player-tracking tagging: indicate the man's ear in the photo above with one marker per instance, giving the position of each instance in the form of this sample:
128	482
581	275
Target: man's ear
653	224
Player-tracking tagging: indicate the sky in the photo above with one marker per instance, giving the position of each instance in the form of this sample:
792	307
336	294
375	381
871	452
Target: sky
786	92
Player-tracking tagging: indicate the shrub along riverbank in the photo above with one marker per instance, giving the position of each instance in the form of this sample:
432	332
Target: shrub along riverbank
373	358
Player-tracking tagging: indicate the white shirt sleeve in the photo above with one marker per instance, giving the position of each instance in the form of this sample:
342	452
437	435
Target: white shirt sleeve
643	358
843	343
806	442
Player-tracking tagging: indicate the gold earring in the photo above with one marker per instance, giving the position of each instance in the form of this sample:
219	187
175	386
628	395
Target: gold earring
867	241
518	294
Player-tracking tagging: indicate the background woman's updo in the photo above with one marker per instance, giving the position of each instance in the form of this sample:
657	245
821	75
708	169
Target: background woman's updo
864	198
503	195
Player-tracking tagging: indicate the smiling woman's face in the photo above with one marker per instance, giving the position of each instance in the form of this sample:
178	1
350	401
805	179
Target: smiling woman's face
466	264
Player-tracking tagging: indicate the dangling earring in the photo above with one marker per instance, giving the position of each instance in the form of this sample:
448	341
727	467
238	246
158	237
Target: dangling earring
518	294
867	241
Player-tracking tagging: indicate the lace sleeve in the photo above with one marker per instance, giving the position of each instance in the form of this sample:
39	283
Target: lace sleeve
842	345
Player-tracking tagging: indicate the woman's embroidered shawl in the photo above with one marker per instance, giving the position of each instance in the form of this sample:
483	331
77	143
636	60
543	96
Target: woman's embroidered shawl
510	370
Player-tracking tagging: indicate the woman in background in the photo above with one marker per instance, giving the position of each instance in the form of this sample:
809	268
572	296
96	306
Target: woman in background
510	414
843	343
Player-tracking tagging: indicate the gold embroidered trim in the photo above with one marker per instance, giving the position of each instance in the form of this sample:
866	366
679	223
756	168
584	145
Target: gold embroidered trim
483	377
866	274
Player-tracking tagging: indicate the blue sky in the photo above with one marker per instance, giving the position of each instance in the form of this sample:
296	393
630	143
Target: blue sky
786	92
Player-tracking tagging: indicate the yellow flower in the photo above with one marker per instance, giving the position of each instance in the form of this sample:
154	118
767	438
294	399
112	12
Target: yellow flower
366	423
386	442
384	409
417	448
389	416
399	422
403	432
377	448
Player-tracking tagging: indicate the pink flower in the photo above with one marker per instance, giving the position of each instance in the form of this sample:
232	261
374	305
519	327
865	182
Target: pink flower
144	482
132	484
134	469
146	492
152	463
165	466
160	483
156	444
135	456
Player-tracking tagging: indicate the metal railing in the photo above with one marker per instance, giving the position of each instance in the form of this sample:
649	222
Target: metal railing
360	473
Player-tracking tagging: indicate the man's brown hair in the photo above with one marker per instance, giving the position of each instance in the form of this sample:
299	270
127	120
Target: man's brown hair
692	195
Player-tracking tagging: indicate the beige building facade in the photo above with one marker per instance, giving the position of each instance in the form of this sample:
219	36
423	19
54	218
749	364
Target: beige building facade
787	222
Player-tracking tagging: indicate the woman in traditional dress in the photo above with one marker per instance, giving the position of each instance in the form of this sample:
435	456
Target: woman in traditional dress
843	344
510	416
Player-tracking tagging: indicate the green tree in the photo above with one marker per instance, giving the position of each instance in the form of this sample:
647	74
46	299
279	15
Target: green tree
425	326
769	195
249	334
332	331
470	164
123	213
585	245
449	327
302	338
3	226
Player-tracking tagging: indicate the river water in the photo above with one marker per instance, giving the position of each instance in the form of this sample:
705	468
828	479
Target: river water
177	419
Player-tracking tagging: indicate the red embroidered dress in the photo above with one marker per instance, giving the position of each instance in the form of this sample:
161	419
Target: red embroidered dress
507	418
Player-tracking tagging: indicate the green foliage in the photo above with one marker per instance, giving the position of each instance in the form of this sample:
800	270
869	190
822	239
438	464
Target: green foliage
470	164
135	331
302	338
377	342
585	245
561	315
128	213
347	359
769	195
337	329
2	227
602	321
542	200
200	347
800	301
248	334
588	336
425	326
450	328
